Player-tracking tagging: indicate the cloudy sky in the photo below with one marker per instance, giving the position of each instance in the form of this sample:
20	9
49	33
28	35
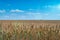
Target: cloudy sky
29	9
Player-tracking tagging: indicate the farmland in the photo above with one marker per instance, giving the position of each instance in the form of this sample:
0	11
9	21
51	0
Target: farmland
29	30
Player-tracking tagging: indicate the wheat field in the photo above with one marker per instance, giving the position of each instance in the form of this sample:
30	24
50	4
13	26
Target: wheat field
29	30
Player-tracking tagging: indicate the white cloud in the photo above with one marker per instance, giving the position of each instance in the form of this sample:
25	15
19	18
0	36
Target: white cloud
8	4
34	15
2	11
48	6
6	16
31	13
53	6
58	14
46	14
30	9
58	6
16	10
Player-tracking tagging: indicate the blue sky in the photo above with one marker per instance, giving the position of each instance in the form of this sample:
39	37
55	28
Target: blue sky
29	9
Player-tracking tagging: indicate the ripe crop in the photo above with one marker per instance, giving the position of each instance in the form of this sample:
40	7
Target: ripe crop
29	31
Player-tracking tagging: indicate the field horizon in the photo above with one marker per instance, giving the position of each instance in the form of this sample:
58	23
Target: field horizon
32	21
